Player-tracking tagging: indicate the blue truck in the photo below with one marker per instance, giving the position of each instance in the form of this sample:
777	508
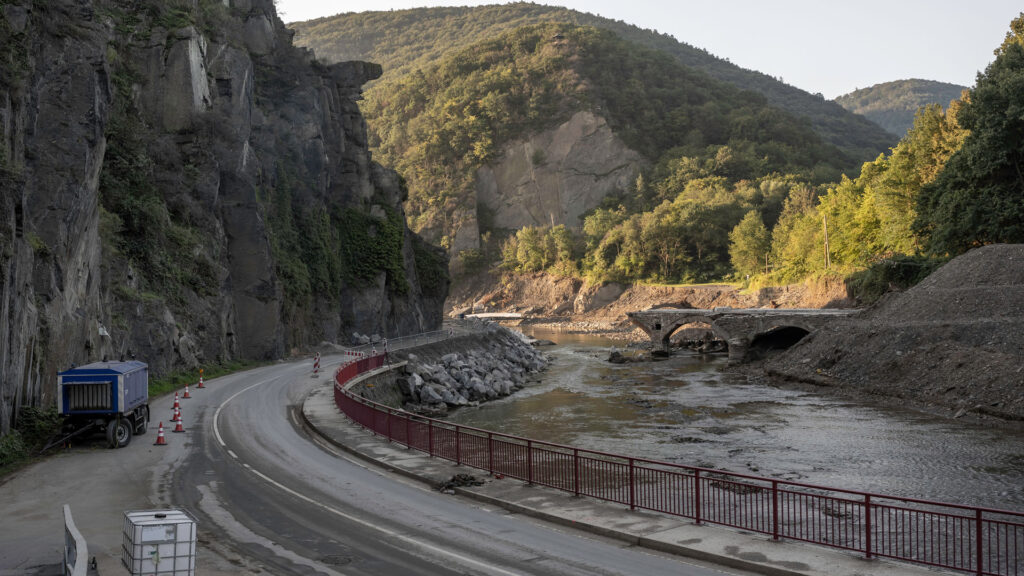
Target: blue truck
112	396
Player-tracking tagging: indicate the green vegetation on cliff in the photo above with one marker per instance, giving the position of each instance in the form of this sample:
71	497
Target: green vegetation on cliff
892	105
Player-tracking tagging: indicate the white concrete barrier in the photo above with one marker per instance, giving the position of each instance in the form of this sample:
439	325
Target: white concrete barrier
76	552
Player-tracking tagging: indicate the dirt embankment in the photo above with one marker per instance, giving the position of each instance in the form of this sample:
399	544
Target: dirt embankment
603	307
954	342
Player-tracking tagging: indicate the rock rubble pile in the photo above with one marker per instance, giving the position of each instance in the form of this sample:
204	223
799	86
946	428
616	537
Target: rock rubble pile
498	366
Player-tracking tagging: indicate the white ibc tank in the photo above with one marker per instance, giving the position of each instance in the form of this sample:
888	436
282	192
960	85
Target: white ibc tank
159	542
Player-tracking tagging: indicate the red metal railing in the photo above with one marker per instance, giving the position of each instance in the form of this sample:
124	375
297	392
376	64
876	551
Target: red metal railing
983	541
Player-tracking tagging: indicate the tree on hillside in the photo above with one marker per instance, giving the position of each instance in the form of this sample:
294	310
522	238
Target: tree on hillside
979	197
749	241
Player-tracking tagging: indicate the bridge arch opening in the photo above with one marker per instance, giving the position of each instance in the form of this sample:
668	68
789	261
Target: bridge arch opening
774	340
698	336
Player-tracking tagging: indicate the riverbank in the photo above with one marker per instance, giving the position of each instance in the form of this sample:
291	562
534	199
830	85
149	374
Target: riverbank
700	542
950	345
483	362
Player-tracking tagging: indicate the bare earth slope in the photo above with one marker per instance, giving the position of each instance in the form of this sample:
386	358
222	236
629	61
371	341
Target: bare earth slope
604	306
956	340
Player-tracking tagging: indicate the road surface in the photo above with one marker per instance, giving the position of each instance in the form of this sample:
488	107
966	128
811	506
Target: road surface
270	498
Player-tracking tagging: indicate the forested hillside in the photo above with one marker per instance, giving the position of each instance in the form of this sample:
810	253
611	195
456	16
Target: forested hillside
439	125
732	187
403	41
892	105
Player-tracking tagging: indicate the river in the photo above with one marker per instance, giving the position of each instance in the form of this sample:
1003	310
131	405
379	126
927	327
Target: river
689	410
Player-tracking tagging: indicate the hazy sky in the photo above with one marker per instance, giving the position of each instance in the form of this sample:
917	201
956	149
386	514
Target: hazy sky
822	46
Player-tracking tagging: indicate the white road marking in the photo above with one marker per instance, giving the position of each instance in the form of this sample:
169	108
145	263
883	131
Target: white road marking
390	533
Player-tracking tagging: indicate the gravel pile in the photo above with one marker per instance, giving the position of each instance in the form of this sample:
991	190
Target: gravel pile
954	342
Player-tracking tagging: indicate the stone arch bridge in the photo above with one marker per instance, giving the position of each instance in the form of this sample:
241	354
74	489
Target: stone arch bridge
739	327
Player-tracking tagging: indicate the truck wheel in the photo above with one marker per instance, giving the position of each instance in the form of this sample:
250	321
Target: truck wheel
142	420
119	433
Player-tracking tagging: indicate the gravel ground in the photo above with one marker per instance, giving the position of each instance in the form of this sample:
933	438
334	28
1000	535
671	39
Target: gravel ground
954	343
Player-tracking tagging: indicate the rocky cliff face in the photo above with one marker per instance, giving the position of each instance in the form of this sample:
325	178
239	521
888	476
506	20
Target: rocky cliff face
182	185
550	178
555	176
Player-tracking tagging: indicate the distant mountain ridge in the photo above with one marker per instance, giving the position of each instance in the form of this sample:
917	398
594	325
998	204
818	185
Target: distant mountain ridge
892	105
406	40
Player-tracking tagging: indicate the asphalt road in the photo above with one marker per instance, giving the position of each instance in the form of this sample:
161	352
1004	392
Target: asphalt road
269	498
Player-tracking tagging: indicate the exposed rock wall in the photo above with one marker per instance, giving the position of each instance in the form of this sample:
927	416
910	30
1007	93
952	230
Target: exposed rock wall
221	117
557	175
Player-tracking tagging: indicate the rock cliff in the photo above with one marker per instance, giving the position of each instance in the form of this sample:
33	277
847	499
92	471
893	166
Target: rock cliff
547	178
555	176
183	185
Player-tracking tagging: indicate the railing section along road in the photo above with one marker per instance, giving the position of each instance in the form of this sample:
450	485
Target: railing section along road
982	541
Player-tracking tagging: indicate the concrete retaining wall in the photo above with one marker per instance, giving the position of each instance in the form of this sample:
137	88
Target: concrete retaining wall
380	385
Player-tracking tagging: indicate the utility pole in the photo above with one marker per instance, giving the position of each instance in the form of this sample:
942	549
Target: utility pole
828	260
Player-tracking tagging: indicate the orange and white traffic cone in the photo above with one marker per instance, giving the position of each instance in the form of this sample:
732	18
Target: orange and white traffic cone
185	395
160	440
177	414
200	379
179	427
174	409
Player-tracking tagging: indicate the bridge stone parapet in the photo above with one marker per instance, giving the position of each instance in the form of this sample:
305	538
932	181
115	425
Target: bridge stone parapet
738	327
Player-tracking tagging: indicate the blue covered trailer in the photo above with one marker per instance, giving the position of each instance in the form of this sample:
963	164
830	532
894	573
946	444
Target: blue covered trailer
112	395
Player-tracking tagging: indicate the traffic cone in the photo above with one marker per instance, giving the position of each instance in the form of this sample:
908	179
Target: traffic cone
200	378
178	427
174	410
160	440
185	395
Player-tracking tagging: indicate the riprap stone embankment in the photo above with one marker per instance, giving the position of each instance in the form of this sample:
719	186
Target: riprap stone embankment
467	369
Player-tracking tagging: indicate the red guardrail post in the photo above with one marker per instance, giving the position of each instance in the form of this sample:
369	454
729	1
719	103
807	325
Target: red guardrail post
576	471
364	412
490	453
775	510
867	526
696	495
977	532
529	461
632	486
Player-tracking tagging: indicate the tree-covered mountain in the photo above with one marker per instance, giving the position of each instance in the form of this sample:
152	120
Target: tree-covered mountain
455	126
404	41
728	185
892	105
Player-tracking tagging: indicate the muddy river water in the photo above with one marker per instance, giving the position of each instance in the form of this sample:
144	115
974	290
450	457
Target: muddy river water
688	410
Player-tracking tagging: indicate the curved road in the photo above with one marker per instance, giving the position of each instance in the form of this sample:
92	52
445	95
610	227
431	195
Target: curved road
286	503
